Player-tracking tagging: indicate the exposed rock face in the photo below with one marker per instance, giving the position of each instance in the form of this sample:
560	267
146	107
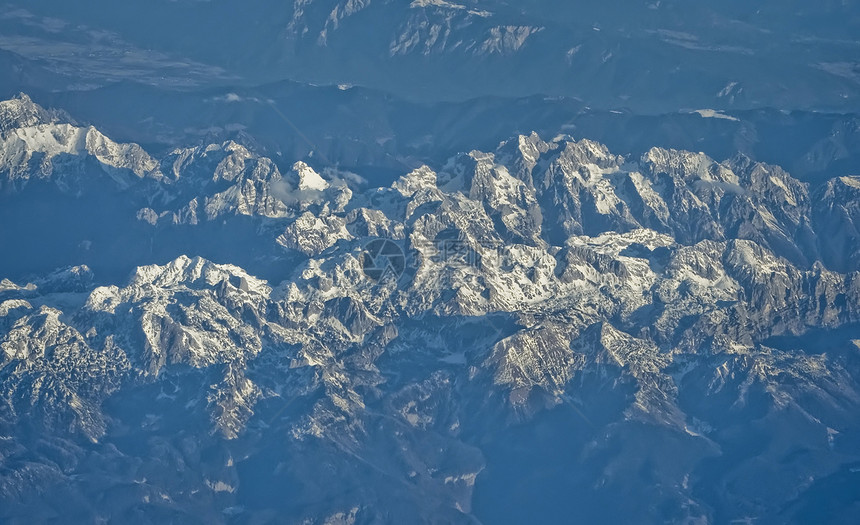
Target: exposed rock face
837	212
655	300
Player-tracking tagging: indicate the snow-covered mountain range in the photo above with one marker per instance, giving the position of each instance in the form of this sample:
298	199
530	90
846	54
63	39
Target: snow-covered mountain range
677	329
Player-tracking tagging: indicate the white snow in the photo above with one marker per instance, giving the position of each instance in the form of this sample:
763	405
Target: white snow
51	139
308	178
448	5
12	304
220	486
418	179
727	89
711	113
853	181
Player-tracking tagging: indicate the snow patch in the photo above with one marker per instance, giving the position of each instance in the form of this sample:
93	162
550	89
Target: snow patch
220	486
711	113
448	5
852	181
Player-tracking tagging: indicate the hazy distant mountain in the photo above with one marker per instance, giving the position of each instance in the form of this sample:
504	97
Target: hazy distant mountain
646	56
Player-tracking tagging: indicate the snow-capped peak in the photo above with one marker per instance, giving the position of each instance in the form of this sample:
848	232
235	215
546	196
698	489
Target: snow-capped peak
308	178
29	134
21	111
